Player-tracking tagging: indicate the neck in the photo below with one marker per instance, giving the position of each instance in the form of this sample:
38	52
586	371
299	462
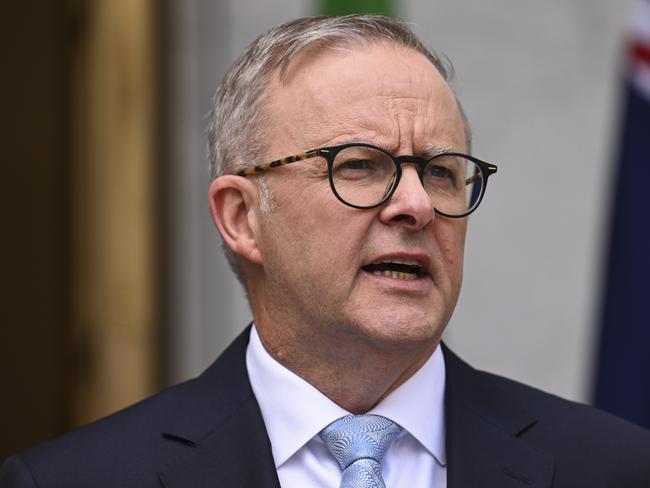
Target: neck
354	373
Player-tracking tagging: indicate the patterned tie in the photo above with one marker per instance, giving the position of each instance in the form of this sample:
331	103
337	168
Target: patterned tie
359	442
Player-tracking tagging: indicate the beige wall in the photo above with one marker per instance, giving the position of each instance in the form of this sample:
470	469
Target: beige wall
540	82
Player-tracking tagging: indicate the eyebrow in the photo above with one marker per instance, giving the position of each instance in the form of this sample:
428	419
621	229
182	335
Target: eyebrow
427	151
431	150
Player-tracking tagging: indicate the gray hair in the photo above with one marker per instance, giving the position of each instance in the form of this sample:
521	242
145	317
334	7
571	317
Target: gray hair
236	137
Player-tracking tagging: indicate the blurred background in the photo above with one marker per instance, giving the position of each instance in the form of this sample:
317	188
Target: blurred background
116	286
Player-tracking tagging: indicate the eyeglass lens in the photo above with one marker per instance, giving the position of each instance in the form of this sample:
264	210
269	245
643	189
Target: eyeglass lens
362	176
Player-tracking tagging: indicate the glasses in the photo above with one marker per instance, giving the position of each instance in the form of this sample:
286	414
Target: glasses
365	176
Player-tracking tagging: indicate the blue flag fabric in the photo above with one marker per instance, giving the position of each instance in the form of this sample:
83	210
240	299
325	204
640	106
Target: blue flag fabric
623	376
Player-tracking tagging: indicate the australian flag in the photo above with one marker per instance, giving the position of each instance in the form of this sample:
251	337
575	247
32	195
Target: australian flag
623	377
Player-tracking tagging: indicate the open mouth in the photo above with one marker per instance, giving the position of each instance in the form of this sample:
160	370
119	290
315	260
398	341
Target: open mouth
400	269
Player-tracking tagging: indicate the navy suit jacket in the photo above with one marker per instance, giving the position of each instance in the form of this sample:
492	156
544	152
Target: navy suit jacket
208	432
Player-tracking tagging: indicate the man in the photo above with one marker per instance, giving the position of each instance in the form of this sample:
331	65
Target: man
342	185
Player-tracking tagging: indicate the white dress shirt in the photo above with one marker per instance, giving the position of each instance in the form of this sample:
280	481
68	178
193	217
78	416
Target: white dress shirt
295	412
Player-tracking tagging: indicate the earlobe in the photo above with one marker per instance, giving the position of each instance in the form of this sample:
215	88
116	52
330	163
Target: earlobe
233	209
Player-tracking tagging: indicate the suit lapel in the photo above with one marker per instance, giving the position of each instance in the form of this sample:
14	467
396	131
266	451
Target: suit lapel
231	456
219	422
484	430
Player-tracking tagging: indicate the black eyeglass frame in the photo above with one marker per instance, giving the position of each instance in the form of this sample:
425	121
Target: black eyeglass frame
329	153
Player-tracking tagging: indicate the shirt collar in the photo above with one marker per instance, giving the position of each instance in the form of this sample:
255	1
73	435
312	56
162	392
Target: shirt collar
418	405
294	411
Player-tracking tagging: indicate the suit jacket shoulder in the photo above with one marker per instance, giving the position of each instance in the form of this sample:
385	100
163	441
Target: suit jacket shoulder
198	433
542	439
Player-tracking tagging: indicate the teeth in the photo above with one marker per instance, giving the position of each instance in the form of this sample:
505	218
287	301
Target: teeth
396	274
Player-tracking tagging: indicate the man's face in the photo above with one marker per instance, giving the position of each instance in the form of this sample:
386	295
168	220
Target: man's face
320	257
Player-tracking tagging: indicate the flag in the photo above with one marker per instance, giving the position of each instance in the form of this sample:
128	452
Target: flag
622	384
345	7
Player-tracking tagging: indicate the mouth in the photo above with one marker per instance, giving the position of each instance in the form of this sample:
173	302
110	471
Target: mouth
396	268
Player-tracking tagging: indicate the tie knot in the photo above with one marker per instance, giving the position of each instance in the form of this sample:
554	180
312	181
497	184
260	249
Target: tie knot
356	437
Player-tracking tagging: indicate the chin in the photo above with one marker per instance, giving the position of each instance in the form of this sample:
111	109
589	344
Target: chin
403	331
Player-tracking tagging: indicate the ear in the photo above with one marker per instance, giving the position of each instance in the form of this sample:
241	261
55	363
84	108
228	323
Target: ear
233	207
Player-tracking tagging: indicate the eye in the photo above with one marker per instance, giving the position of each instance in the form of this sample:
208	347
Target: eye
361	163
443	172
356	165
439	171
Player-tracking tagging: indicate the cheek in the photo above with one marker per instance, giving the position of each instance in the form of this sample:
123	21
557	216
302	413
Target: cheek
336	237
450	236
314	232
333	244
310	233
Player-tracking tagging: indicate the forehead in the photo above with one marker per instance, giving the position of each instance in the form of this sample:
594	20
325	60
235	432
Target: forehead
386	94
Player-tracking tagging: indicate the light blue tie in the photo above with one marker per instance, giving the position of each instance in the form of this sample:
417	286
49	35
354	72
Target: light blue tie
359	442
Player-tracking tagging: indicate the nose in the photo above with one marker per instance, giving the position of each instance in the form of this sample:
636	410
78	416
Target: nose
410	205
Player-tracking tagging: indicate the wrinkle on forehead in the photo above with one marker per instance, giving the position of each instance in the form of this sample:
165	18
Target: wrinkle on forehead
333	98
